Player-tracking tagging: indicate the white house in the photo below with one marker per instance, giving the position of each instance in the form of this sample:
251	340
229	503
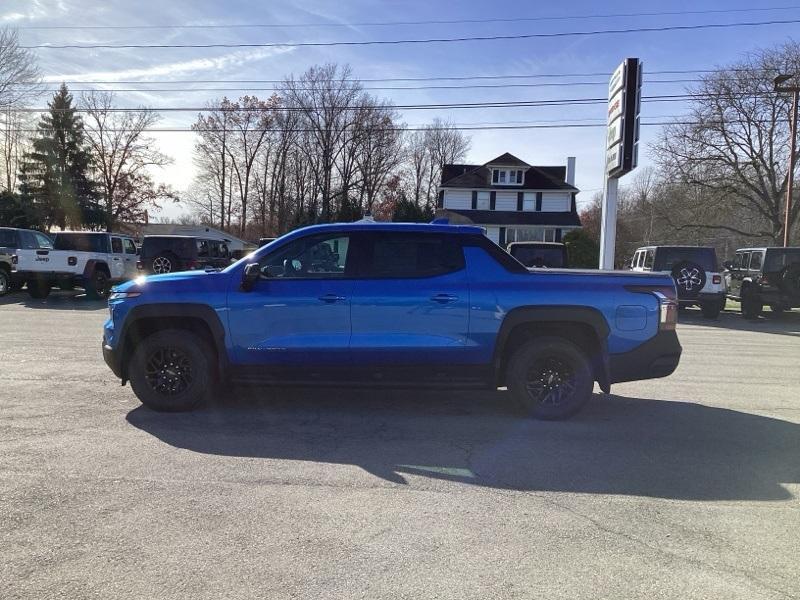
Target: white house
512	200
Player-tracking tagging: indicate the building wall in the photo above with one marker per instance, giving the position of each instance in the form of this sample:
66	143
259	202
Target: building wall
505	200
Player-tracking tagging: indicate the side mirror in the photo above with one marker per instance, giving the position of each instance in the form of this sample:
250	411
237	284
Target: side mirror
250	275
728	265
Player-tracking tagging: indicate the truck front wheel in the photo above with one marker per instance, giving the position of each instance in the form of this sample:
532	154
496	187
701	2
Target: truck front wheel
97	287
172	371
550	378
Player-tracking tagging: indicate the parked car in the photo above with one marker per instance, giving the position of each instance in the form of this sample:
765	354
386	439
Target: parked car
764	276
391	304
170	253
552	255
90	260
694	270
11	240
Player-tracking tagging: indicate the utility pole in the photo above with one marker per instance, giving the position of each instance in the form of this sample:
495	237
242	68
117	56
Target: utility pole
780	80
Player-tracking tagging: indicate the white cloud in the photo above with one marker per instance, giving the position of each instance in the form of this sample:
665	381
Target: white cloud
226	61
12	17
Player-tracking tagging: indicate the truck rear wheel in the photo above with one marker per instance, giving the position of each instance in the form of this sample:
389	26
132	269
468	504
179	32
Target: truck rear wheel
97	287
751	305
5	282
550	378
171	371
39	287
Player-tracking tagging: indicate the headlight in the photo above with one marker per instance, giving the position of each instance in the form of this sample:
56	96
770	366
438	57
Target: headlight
123	295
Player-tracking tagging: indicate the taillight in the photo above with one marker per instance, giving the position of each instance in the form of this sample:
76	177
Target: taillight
139	265
72	261
764	280
716	279
192	264
667	312
14	259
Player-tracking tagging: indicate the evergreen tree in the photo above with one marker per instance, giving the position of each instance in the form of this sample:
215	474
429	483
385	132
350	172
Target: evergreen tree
54	176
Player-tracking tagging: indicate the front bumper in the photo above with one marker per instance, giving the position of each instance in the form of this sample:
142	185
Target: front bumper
112	360
657	357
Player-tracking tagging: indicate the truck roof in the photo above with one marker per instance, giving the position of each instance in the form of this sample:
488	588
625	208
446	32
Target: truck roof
383	226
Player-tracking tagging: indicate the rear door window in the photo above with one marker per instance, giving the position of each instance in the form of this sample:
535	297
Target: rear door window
202	248
745	260
116	245
404	255
755	261
130	247
42	241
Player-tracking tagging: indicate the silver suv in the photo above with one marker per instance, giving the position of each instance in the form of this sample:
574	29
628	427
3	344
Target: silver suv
694	270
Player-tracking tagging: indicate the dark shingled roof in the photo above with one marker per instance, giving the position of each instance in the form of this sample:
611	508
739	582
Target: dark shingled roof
479	176
508	160
509	217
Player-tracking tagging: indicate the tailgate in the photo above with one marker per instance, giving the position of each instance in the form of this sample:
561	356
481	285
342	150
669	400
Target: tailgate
42	261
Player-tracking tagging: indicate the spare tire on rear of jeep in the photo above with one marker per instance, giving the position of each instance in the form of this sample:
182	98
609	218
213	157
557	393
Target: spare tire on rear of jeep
689	278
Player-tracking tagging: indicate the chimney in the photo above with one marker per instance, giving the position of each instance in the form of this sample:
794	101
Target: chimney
571	170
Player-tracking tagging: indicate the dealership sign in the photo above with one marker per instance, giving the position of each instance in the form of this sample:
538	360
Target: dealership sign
624	103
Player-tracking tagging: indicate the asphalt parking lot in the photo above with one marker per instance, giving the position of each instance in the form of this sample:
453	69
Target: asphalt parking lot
685	487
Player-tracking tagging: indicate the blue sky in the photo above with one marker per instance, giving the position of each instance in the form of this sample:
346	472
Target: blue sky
598	54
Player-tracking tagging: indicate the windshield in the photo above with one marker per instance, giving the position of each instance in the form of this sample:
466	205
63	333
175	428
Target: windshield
539	257
81	242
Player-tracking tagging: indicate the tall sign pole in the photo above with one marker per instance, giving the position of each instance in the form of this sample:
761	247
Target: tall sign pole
622	147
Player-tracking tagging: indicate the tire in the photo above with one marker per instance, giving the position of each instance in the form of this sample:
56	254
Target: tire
5	282
538	373
97	287
689	279
165	263
751	305
171	371
66	286
711	309
39	288
789	279
777	309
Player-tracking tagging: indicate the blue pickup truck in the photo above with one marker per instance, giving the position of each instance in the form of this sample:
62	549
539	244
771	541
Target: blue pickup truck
391	305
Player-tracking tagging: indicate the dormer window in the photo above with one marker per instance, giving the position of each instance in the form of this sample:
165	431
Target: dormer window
507	176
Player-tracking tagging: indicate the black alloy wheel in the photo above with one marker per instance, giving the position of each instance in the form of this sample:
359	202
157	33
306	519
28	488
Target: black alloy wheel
168	371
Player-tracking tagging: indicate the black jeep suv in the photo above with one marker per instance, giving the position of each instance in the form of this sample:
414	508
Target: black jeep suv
170	253
764	276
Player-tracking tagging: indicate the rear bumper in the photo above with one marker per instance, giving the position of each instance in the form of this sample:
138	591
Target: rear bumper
657	357
704	297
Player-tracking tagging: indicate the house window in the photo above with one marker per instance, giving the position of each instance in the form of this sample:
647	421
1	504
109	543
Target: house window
529	201
549	235
519	176
502	176
495	175
483	201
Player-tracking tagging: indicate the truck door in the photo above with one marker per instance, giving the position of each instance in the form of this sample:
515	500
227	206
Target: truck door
410	301
117	265
129	249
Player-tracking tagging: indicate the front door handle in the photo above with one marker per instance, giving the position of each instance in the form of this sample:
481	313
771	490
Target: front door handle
444	298
331	298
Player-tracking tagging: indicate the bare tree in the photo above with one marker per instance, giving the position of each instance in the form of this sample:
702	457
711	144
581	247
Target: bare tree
122	154
19	73
19	82
380	150
728	160
325	96
445	145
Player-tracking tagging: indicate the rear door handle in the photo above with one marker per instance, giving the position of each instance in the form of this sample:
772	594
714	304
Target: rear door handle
444	298
331	298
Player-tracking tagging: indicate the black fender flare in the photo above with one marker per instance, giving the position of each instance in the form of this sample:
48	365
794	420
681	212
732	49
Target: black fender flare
91	265
581	315
174	311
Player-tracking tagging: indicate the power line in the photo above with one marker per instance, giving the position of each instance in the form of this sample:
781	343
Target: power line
385	88
606	74
459	105
483	38
404	23
400	129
